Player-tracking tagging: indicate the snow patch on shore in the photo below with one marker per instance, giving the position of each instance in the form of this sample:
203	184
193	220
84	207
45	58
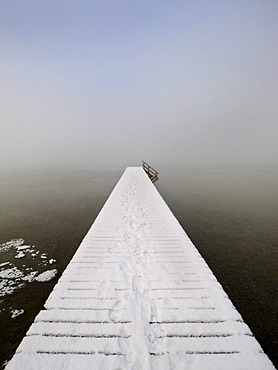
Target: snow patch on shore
46	275
16	313
18	270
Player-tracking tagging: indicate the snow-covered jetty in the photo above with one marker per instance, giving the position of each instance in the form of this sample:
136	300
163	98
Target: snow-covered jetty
138	295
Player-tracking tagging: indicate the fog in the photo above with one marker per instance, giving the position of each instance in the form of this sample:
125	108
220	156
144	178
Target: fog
104	83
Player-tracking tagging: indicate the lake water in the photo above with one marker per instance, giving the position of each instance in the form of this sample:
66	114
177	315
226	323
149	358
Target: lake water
231	216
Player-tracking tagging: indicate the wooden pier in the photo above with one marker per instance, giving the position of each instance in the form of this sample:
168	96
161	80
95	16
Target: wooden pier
138	295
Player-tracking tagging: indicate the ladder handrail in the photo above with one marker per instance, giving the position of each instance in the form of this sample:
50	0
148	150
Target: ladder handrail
152	173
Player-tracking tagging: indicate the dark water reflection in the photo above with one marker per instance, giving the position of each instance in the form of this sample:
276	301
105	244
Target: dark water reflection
230	215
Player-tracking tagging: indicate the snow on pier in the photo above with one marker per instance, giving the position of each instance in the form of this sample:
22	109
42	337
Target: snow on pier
138	295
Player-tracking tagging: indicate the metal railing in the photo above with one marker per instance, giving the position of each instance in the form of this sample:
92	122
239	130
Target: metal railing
151	172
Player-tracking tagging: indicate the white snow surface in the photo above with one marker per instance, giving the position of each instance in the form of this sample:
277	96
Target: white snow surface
138	295
14	243
46	275
14	277
16	312
20	254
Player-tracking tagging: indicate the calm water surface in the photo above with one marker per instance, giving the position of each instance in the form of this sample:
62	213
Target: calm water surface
230	215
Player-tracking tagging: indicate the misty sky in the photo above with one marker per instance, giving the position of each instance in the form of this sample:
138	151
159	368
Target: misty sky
86	83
